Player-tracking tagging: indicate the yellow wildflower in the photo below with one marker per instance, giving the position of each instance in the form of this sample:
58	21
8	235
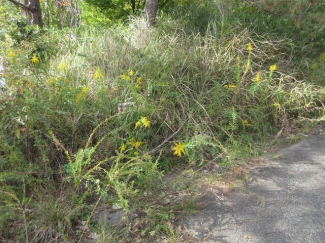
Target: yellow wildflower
138	87
137	144
11	54
314	66
123	147
3	74
63	66
139	80
34	59
79	97
98	74
131	73
51	80
137	124
249	47
257	78
273	67
322	57
125	77
82	94
84	90
232	86
178	148
145	121
246	123
136	153
276	104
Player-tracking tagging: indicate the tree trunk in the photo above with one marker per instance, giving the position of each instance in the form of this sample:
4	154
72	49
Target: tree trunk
133	6
32	8
35	12
150	11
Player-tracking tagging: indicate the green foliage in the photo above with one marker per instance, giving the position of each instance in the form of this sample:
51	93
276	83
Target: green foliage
233	120
300	22
117	9
92	15
96	111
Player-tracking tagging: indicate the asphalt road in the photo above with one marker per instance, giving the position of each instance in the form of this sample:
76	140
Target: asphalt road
282	202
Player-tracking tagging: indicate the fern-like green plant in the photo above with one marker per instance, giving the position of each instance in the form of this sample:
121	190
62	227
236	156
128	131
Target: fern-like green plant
233	120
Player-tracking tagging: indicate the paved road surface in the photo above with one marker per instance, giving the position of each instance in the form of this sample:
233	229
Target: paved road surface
283	201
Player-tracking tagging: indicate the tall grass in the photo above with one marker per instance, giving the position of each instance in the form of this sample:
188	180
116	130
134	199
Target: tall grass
95	113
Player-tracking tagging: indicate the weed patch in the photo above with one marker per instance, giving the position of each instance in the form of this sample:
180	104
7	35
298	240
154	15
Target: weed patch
94	117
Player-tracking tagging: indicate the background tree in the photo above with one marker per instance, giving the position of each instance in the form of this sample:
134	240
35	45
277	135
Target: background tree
150	10
31	8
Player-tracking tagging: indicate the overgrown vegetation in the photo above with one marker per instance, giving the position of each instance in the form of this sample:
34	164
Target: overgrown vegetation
92	117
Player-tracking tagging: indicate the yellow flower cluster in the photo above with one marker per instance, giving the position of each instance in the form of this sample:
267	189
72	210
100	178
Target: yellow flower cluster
34	59
276	104
249	47
127	77
98	74
11	54
231	86
51	81
139	82
178	149
84	90
142	122
63	66
123	147
133	144
273	67
257	78
247	124
82	94
131	76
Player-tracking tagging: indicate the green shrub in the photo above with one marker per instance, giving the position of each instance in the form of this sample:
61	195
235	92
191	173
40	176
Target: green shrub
99	112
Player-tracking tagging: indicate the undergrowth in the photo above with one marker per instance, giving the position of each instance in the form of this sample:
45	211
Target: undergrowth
93	117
